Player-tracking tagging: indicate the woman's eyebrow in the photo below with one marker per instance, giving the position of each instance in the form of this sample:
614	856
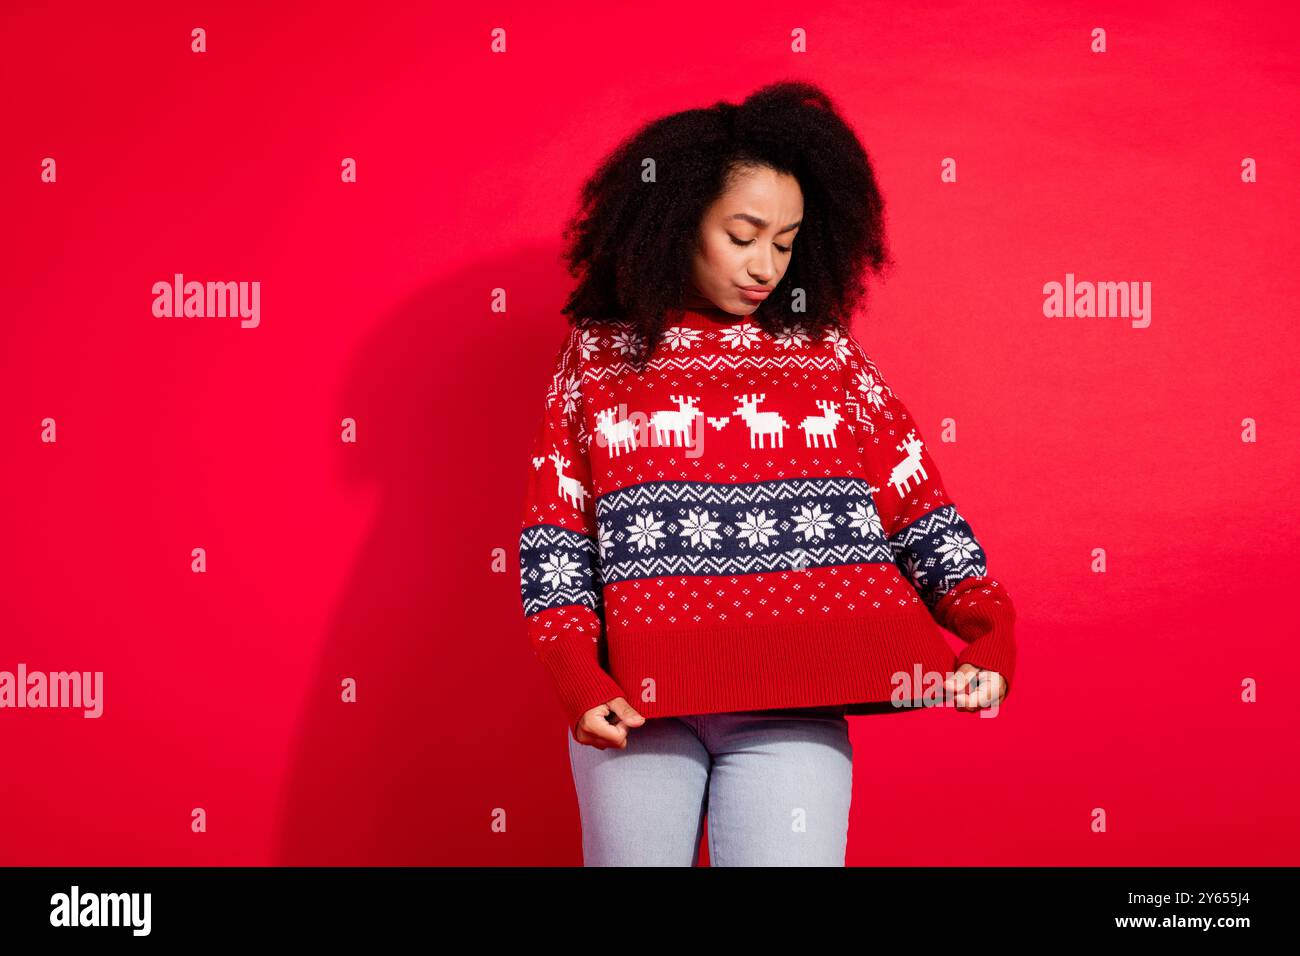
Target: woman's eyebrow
760	222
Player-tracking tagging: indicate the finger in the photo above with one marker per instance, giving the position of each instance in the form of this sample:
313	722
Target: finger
996	686
988	687
626	713
578	733
963	683
588	740
981	690
604	734
956	685
582	729
582	736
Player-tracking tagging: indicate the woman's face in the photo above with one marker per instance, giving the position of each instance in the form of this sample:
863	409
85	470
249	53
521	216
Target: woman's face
746	239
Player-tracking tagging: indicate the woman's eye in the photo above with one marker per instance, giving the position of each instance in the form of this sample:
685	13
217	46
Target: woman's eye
750	241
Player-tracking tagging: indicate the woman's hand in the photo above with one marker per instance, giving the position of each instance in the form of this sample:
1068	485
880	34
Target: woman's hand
972	688
595	730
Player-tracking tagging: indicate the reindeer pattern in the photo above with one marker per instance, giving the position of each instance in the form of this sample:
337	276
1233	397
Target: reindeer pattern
766	430
567	487
620	435
622	432
674	427
910	467
821	428
762	425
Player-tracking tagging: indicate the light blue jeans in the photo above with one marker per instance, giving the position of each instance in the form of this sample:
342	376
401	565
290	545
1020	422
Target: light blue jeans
774	784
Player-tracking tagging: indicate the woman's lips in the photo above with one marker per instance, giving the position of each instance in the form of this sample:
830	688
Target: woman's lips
755	293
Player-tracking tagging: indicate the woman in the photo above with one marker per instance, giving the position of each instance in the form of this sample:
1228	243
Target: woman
732	520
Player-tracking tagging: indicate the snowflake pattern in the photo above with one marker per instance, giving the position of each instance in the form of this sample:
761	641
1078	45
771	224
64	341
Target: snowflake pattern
604	540
795	337
699	528
756	528
644	531
872	388
741	335
569	395
626	341
957	548
938	551
812	521
839	345
864	519
725	528
588	344
681	337
559	570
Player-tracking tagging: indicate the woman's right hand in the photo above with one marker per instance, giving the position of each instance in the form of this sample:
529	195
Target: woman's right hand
595	730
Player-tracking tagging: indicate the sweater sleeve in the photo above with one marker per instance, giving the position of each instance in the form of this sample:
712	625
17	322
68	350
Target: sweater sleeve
559	546
933	545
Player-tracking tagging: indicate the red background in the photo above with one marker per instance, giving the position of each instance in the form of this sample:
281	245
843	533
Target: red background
376	560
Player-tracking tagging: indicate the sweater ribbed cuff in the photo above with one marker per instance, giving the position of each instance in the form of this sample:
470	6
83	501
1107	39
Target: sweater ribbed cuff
579	680
995	651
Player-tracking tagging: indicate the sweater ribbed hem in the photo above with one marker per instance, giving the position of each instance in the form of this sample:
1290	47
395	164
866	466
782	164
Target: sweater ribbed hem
826	661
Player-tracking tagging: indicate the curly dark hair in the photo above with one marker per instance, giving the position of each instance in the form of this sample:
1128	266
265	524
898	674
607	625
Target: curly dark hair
631	242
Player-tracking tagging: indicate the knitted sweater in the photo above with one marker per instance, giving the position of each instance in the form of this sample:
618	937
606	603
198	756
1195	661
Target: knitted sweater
751	522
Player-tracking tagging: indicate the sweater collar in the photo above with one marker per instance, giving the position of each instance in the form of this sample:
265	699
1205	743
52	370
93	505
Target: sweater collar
704	318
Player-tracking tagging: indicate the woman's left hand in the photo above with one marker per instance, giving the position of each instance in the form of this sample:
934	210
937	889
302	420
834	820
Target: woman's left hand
972	688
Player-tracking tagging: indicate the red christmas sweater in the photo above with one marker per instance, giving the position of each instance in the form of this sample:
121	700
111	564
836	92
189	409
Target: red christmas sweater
749	522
